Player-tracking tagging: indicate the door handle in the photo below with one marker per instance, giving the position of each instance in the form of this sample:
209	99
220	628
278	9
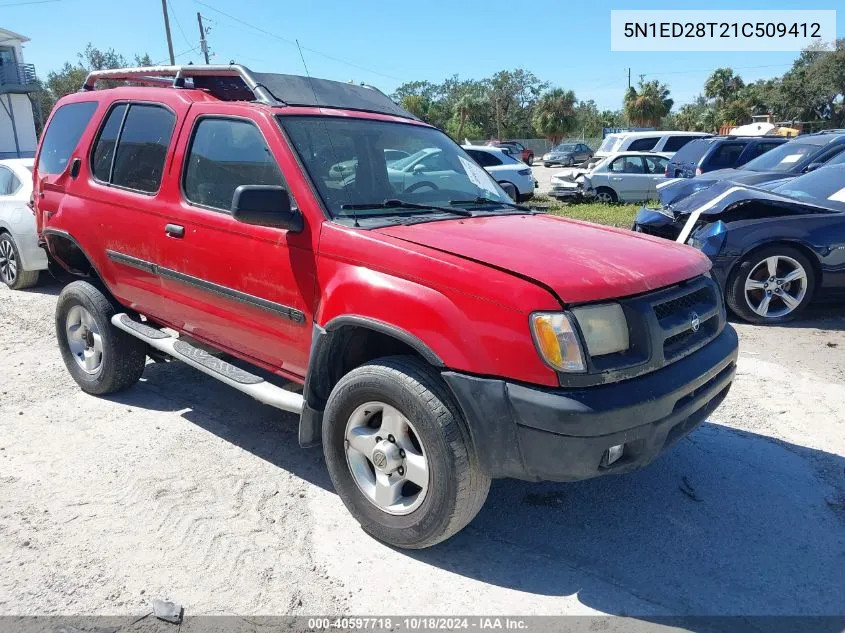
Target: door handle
616	178
174	230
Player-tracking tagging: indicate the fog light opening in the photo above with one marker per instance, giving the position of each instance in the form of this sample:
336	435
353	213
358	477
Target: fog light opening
612	454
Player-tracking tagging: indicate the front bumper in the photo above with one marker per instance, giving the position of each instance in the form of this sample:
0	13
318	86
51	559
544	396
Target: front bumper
537	434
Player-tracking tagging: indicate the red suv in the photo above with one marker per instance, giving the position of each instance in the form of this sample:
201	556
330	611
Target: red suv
516	149
259	228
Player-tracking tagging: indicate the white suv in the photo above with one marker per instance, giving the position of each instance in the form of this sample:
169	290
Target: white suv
664	142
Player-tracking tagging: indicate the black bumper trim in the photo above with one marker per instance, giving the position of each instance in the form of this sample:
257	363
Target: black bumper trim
560	434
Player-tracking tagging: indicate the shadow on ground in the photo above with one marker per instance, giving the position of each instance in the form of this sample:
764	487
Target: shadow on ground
726	523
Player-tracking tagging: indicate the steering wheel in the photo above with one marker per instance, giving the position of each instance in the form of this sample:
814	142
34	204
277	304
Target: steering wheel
420	185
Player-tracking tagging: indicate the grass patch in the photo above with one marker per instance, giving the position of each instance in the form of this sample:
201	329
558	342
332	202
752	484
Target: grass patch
620	215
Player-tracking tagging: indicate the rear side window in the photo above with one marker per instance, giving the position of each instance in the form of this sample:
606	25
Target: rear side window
761	148
63	134
225	154
484	158
674	143
142	147
103	154
8	182
643	144
726	155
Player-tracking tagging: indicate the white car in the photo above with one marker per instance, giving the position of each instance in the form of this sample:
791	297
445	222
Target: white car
21	258
623	177
661	142
504	168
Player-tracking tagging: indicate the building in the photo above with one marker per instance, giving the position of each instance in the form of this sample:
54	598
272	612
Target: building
17	84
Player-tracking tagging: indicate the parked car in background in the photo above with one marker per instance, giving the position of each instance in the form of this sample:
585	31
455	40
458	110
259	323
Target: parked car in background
515	149
21	258
657	141
567	155
505	169
775	250
793	158
703	155
625	177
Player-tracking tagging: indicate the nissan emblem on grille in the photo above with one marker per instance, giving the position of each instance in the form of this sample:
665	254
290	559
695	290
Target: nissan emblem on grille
695	322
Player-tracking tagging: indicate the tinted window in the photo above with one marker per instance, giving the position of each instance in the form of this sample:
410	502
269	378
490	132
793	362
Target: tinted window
643	144
822	186
62	135
724	156
655	164
692	151
228	153
674	143
142	148
104	147
627	165
483	158
761	148
783	158
7	178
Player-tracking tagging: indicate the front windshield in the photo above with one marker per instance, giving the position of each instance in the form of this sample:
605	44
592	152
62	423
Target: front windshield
824	186
609	143
564	147
347	163
782	158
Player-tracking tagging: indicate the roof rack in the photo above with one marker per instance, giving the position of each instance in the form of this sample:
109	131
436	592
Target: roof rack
158	76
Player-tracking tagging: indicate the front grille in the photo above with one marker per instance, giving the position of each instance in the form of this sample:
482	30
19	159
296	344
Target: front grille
682	343
685	303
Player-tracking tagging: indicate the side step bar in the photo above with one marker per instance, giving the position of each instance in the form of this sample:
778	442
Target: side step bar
236	377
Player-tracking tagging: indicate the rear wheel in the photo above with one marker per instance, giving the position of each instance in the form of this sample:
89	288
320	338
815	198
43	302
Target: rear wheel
101	358
399	454
606	195
12	272
771	285
530	160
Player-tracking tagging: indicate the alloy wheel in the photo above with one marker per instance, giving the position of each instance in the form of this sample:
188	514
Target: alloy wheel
8	262
776	286
84	340
386	458
603	196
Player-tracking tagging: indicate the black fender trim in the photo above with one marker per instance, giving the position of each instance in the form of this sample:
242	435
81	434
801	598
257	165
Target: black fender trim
65	235
391	330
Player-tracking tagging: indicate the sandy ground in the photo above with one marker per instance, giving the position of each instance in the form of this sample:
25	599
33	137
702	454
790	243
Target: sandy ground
543	176
183	489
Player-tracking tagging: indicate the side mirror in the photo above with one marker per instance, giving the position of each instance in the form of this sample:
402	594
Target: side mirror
266	205
418	168
509	189
812	166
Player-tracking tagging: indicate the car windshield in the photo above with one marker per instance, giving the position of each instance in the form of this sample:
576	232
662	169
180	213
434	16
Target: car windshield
565	147
824	186
346	161
609	143
782	158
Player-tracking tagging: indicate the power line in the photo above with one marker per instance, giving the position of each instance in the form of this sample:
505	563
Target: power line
293	43
20	4
710	70
177	56
176	19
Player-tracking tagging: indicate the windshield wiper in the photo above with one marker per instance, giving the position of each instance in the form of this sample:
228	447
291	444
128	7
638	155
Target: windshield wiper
488	201
393	203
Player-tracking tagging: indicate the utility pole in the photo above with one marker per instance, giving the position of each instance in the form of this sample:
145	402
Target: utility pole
167	31
203	42
629	77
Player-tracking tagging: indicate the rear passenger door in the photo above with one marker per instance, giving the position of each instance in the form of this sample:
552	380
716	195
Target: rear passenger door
725	156
629	179
242	288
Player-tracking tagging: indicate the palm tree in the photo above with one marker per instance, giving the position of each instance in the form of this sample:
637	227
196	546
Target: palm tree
465	108
554	115
723	85
648	105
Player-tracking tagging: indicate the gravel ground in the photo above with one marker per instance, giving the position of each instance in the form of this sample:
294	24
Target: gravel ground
183	489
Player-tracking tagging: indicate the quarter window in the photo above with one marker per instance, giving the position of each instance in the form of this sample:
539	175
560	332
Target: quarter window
62	135
9	183
225	154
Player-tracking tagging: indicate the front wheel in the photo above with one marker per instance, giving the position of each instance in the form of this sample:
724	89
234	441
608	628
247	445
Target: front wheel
101	358
399	454
530	160
771	285
606	195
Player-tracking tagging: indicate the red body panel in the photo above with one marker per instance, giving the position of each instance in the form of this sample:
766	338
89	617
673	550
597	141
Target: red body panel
464	287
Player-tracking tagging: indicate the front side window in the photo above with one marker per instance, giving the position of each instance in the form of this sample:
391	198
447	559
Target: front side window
62	135
225	154
643	144
345	160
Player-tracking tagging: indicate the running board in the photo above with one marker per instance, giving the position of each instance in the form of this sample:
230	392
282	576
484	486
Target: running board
236	377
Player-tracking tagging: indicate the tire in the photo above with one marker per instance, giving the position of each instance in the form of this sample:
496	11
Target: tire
606	195
746	299
456	486
121	357
11	272
547	164
530	160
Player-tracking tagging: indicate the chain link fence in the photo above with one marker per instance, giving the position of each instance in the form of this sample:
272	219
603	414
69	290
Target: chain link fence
540	145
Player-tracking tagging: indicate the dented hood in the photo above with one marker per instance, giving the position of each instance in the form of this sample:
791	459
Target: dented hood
576	261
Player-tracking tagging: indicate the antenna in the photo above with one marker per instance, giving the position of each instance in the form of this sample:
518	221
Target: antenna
325	127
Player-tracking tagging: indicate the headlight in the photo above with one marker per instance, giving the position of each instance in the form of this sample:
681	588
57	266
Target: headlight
557	341
604	327
710	239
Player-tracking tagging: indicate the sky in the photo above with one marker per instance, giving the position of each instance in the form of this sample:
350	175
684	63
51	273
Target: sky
387	43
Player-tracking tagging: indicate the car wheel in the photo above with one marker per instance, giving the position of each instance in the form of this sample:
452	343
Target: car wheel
547	164
606	195
530	159
11	271
101	358
569	162
399	454
771	285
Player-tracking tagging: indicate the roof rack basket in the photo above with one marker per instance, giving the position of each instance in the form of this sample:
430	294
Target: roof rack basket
175	76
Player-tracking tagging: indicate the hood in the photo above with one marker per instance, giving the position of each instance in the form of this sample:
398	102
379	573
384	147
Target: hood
672	191
570	174
577	261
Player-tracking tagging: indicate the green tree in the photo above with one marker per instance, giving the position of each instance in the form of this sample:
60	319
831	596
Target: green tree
723	85
555	115
647	106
